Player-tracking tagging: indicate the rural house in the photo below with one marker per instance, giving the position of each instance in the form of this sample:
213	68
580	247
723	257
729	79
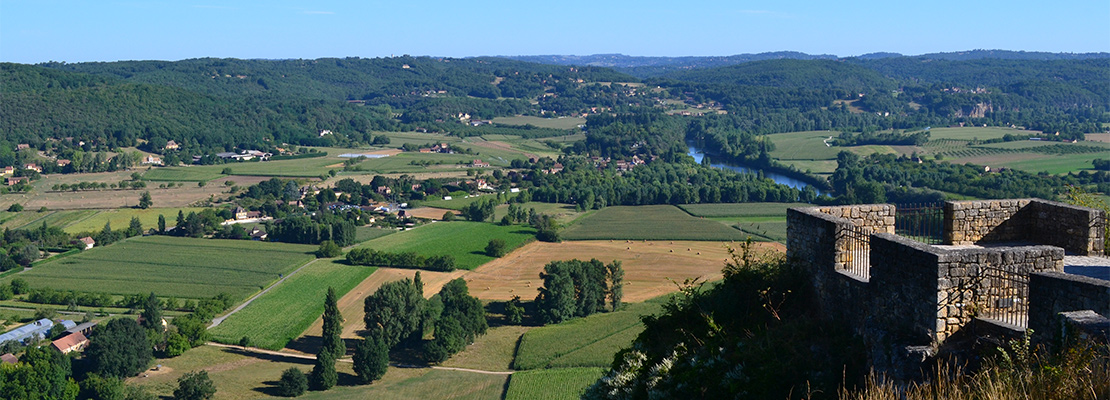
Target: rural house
8	170
12	181
33	167
480	164
72	342
8	358
152	159
172	145
87	241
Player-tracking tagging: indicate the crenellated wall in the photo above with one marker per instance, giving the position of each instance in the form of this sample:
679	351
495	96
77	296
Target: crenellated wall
1075	229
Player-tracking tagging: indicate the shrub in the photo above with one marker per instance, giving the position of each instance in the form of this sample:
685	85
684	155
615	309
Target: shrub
496	248
15	207
293	383
328	249
194	386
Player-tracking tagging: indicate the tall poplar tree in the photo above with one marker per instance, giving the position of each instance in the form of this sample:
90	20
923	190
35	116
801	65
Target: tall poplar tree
333	327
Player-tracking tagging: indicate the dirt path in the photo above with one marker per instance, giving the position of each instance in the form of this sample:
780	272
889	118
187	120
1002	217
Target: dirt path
219	320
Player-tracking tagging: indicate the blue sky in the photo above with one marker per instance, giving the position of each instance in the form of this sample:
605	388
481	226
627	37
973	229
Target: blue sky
34	31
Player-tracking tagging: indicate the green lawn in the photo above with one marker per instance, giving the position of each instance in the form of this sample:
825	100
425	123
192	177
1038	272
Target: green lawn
583	342
648	223
171	267
121	218
464	240
806	145
283	313
457	203
552	384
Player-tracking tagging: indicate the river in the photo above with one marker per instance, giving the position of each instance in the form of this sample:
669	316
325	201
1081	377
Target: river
777	177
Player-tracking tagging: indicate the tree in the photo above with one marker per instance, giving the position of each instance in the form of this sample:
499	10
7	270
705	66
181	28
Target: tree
194	386
371	359
328	249
15	207
448	216
463	318
179	228
145	201
293	383
20	286
333	327
118	348
616	283
496	248
176	344
323	376
96	387
135	228
395	311
514	312
161	224
152	313
40	374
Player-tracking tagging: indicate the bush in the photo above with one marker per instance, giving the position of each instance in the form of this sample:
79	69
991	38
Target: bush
447	216
496	248
293	383
371	359
194	386
15	207
328	249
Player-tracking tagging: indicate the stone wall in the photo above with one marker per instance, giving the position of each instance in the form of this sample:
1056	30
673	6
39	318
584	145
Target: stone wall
970	222
1051	293
1076	229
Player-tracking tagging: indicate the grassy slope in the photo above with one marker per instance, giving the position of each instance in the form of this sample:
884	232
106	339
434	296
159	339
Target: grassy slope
280	315
464	240
584	342
171	266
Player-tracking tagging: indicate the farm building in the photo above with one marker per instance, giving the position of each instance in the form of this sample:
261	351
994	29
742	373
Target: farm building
69	343
152	159
38	328
84	328
8	170
88	242
8	358
12	181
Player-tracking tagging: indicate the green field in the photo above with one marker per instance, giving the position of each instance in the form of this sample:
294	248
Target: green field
971	133
464	240
121	218
1056	163
552	384
740	209
16	220
644	222
563	213
583	342
59	219
171	267
806	145
364	233
283	313
427	384
456	203
554	123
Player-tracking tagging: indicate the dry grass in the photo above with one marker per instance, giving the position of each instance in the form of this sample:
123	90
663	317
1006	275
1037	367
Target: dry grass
649	266
430	212
104	199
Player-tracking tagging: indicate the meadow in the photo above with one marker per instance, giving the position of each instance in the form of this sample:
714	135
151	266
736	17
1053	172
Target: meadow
584	342
456	203
171	267
644	223
464	240
554	123
287	310
552	384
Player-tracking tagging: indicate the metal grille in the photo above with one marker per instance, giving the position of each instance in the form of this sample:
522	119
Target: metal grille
1005	291
921	222
855	251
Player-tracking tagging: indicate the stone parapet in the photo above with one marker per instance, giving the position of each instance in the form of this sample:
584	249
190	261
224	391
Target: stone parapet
1075	229
1051	293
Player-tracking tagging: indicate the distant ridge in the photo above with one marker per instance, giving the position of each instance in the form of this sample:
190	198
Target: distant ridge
644	66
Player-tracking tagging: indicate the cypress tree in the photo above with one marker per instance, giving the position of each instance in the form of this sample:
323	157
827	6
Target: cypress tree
323	376
371	359
333	328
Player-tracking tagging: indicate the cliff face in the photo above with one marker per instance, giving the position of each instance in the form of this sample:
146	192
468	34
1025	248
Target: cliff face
979	111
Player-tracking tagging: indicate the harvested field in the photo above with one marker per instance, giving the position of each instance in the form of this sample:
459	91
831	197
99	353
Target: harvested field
430	212
104	199
644	222
647	266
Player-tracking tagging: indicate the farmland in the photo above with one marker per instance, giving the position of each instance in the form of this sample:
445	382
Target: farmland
552	384
298	300
554	123
643	222
740	209
583	342
466	241
651	267
171	267
120	218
